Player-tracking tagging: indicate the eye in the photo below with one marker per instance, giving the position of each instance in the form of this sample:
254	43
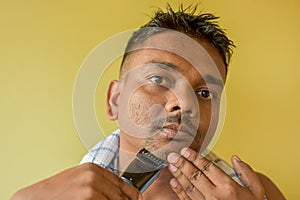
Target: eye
156	79
206	94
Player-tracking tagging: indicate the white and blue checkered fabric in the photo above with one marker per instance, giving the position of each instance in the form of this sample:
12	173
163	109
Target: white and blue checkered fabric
106	154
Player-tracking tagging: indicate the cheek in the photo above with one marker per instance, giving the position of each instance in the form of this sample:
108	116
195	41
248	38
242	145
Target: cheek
207	126
209	115
139	110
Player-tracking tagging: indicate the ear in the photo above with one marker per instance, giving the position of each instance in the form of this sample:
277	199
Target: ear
112	100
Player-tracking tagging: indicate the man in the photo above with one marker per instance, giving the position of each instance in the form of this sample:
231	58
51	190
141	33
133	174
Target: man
167	101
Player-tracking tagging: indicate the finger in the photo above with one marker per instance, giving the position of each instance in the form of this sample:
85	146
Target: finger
98	181
178	189
110	190
126	189
189	188
248	177
217	176
130	191
116	187
181	166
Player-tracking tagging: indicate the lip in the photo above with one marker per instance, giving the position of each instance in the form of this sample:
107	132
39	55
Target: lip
170	130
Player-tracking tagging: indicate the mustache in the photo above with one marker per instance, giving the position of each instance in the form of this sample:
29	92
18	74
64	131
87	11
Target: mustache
174	119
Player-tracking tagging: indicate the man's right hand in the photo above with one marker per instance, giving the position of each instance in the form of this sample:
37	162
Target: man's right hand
86	181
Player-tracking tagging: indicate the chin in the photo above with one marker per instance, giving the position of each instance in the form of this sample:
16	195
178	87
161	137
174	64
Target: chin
163	149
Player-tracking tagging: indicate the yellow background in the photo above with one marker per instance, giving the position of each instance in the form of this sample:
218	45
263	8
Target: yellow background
43	43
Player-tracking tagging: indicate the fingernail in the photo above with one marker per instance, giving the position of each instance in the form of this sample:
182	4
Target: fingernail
173	183
185	152
172	168
173	157
235	157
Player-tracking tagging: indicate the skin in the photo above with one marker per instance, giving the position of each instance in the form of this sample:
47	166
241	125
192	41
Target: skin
181	92
212	183
176	185
141	102
83	182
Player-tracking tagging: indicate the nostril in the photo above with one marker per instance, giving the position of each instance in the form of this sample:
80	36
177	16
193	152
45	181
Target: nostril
176	108
189	112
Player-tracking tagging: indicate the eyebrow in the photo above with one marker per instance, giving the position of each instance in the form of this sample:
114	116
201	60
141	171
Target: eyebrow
164	65
170	66
213	80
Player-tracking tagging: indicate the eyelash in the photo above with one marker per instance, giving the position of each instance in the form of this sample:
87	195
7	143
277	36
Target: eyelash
163	80
152	77
212	94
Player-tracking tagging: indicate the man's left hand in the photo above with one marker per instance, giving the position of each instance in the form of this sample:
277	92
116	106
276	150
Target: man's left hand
195	177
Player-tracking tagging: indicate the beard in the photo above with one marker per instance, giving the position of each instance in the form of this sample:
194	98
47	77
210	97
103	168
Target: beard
171	134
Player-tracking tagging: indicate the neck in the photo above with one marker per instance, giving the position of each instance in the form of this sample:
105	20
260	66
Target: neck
126	154
160	189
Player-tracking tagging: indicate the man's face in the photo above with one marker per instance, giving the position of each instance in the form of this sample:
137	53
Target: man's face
168	99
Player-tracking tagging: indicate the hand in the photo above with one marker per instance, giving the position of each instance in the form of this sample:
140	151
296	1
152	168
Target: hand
195	177
86	181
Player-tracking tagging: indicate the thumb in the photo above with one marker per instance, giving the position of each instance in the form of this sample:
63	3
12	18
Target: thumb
248	176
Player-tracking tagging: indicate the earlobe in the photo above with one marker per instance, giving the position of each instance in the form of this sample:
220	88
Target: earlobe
112	100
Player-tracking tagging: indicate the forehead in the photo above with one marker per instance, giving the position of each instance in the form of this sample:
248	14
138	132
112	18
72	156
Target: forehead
182	51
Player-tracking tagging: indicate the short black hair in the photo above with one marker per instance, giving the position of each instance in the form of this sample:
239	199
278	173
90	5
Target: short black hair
189	22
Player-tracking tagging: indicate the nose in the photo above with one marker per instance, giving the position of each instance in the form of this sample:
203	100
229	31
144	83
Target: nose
172	105
180	105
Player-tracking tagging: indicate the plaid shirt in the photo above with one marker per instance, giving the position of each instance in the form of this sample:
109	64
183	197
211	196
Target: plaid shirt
106	154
